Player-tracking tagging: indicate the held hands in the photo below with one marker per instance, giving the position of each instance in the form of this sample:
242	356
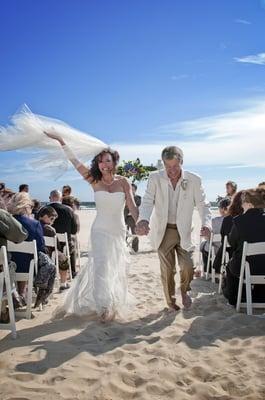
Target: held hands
205	231
142	228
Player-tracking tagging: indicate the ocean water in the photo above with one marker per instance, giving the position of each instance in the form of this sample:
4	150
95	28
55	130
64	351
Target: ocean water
87	205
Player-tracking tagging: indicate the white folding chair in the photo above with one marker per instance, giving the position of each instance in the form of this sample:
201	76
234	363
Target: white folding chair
62	237
250	249
200	259
5	281
51	241
224	261
26	248
214	238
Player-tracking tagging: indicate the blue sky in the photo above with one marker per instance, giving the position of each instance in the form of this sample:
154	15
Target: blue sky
140	75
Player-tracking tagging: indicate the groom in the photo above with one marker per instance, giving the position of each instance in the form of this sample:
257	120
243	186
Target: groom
170	197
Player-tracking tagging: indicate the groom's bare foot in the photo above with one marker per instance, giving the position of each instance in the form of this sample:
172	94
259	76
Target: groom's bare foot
186	300
172	307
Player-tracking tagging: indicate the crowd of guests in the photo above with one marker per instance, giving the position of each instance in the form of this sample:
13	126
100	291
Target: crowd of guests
25	219
242	218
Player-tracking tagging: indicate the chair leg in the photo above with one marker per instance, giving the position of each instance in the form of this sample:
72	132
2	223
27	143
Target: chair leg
220	280
29	296
239	294
1	290
11	312
248	295
208	266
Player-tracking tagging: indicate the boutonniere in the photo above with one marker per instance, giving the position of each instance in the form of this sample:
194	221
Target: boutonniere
184	184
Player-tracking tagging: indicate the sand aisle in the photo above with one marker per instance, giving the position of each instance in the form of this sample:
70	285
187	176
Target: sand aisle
208	352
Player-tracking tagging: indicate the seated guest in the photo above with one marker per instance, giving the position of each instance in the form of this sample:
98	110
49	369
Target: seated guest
2	187
21	206
231	188
47	215
76	203
66	191
36	207
216	228
10	229
70	202
23	188
5	197
65	222
249	227
261	185
234	209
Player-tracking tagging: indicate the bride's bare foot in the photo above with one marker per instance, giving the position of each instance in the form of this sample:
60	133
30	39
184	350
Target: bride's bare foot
186	300
107	315
197	273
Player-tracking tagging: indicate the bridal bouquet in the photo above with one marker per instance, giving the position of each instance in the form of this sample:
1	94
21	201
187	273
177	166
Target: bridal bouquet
135	170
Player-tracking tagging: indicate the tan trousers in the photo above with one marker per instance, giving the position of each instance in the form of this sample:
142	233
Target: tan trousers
169	246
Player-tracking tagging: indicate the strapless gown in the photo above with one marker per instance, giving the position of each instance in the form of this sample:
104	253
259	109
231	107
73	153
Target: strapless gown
102	282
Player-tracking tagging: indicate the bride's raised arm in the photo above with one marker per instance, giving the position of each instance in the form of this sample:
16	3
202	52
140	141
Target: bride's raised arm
80	167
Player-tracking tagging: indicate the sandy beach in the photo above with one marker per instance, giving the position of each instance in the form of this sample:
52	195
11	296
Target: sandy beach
207	352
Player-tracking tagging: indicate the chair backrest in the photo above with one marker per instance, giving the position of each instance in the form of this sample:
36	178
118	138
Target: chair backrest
3	257
25	247
216	237
50	241
252	249
62	237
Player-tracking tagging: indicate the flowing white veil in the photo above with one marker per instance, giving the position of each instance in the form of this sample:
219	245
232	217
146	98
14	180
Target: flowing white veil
27	132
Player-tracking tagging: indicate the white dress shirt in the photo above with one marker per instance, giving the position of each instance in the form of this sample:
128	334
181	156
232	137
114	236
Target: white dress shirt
173	197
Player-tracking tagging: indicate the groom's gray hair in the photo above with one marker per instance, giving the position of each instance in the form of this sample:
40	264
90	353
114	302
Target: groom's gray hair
171	152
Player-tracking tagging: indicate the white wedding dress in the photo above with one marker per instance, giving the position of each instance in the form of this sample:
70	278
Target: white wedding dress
102	283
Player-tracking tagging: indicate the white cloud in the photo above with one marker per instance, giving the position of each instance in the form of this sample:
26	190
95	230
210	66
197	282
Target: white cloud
252	59
225	146
232	139
242	21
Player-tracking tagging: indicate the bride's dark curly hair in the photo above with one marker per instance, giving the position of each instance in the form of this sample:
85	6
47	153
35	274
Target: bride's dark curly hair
94	169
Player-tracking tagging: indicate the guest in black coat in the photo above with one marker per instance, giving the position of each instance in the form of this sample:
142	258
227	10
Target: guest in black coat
249	227
65	222
234	210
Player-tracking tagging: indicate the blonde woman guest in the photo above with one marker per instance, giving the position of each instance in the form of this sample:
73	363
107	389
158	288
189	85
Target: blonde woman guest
21	208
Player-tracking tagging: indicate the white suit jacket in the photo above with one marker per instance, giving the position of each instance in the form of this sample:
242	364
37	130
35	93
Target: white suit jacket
154	207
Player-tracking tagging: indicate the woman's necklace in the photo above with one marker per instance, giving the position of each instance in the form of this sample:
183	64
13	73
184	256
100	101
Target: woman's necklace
106	183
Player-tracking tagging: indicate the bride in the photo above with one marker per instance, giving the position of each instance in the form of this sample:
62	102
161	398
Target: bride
101	285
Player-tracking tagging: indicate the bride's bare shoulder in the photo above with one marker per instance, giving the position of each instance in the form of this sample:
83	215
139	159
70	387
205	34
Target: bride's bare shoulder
120	178
123	182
